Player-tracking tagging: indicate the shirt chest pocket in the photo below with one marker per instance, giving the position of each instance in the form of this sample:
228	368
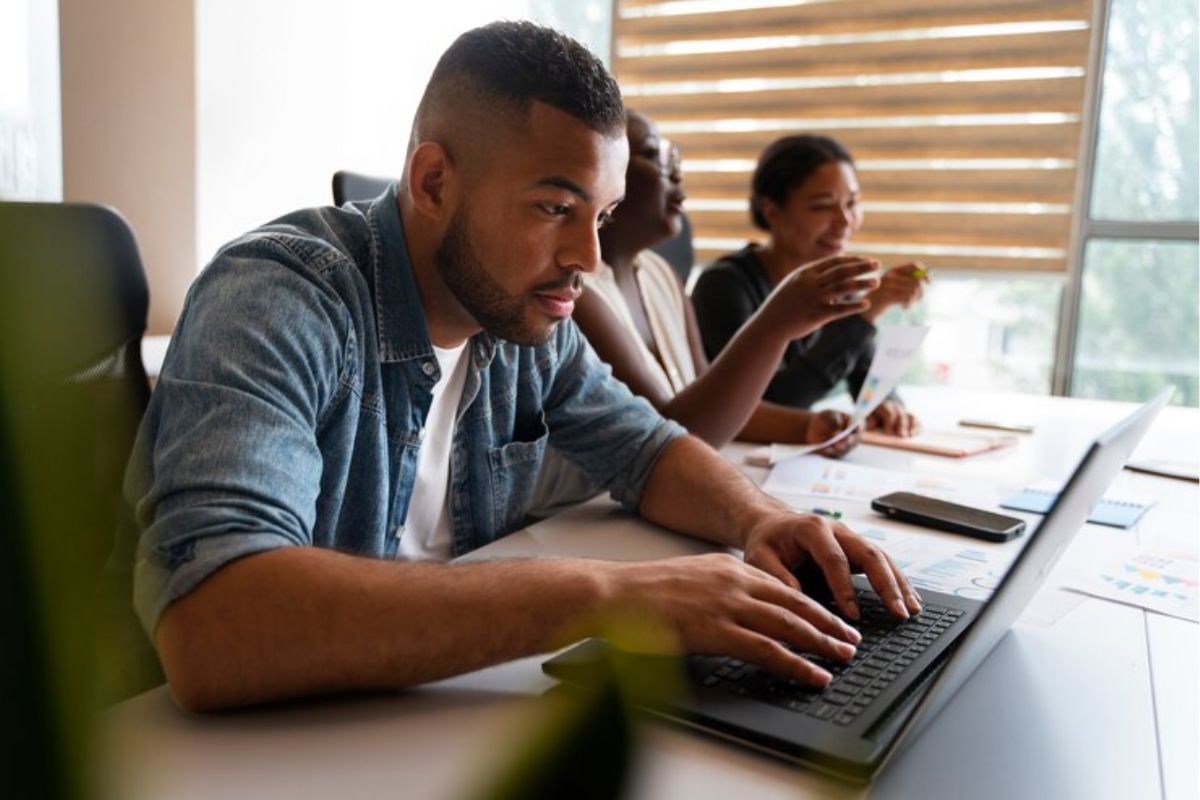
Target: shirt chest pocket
514	469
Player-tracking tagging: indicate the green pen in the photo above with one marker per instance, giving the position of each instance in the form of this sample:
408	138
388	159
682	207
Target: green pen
826	512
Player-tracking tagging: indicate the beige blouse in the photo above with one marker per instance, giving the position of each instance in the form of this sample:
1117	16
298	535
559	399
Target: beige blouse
663	300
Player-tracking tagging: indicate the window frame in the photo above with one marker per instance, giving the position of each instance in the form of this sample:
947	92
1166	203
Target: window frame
1084	227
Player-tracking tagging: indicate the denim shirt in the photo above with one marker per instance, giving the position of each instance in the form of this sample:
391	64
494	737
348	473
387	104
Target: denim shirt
291	405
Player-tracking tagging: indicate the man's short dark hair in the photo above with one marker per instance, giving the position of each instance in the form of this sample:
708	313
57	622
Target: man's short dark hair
517	63
785	165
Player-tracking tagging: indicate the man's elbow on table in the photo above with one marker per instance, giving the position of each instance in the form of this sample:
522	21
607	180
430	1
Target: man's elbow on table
196	682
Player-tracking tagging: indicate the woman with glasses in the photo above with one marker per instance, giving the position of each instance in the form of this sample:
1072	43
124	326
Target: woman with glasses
637	317
805	195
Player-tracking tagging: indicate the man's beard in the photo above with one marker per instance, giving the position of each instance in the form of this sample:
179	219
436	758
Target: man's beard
497	312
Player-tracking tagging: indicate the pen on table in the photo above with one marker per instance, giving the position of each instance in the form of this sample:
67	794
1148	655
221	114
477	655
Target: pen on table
1011	427
824	512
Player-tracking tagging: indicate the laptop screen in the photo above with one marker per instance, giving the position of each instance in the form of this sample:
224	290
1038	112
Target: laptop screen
1086	486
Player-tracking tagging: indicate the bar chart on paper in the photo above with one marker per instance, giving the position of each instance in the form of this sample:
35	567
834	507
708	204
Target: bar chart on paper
940	566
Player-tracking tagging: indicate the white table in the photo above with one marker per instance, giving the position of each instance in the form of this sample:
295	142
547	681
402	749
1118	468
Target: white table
1100	702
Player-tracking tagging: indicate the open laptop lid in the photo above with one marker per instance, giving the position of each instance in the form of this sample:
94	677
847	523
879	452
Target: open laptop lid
1100	465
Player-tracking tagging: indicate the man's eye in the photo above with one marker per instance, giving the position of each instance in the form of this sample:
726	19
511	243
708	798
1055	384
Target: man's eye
556	209
649	152
604	220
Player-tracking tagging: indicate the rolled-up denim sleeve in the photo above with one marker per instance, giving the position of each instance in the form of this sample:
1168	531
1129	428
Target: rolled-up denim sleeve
226	463
615	437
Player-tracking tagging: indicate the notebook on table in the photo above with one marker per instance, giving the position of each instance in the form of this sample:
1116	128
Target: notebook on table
903	673
953	444
1115	512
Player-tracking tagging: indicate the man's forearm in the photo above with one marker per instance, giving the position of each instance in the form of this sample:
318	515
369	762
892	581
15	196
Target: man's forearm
720	402
694	490
305	620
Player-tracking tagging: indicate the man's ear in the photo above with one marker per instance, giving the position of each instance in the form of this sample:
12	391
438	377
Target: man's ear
430	177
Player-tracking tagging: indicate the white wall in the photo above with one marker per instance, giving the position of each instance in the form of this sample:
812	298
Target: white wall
290	91
129	137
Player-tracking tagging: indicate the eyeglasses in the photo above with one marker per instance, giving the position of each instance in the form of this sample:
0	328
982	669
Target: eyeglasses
667	157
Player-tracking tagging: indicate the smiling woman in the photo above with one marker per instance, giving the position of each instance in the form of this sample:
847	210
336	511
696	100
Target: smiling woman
805	195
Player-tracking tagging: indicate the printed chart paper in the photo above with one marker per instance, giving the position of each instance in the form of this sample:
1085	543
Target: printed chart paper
944	566
1149	580
813	476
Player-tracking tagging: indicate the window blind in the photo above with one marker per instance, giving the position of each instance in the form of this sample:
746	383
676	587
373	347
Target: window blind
963	116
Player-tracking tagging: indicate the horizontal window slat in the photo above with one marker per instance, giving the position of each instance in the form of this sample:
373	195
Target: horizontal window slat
895	80
1065	48
883	143
833	19
1063	95
706	255
643	17
740	205
992	230
780	40
1018	186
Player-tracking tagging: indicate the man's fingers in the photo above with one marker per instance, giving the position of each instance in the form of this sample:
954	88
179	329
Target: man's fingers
827	552
782	625
912	600
769	654
810	610
887	581
769	562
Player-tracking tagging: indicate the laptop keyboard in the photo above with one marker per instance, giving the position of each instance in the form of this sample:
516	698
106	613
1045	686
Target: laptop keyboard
888	647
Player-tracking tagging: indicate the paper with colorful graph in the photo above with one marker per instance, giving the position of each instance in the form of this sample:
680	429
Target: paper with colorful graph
1154	581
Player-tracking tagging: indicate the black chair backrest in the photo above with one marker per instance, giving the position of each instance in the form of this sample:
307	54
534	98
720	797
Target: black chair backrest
348	186
679	252
73	303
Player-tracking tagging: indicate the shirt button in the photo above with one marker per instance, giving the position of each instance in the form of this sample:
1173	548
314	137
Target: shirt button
399	531
421	435
428	368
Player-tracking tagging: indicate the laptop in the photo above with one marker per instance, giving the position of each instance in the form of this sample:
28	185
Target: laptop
904	672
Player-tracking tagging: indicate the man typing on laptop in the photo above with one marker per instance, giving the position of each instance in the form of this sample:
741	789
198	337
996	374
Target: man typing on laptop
354	395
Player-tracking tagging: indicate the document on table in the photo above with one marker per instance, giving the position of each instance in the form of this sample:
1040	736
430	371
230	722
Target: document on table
1150	580
896	347
814	476
942	565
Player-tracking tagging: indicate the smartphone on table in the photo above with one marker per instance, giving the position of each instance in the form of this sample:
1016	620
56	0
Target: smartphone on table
946	516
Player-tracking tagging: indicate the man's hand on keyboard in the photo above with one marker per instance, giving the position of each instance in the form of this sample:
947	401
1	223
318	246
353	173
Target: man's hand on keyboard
785	540
719	605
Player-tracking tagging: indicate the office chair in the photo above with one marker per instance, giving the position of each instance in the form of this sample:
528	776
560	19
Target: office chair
73	303
349	186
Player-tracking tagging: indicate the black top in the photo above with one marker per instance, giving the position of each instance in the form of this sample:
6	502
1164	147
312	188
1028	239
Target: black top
728	293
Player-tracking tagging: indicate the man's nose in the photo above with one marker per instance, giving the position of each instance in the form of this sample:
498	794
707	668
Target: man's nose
581	250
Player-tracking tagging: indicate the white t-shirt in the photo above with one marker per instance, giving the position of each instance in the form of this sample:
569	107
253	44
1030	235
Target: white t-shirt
426	533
